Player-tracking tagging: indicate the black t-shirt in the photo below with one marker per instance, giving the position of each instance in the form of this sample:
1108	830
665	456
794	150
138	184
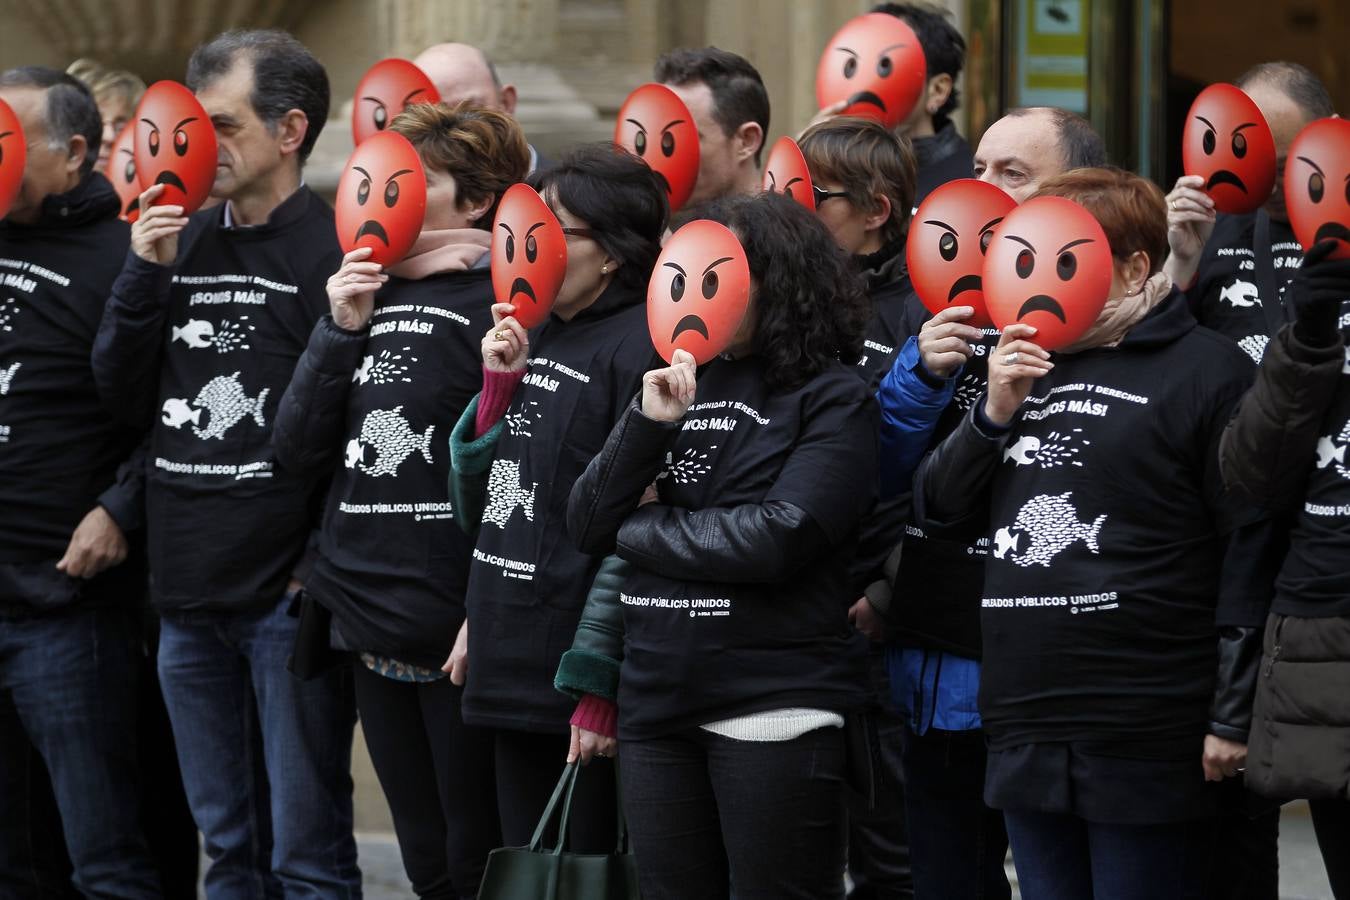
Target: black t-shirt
700	651
59	447
393	563
226	524
1108	519
527	580
1227	292
1315	578
948	619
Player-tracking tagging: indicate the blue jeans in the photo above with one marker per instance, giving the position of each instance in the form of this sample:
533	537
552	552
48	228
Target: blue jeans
1063	857
956	844
68	689
266	757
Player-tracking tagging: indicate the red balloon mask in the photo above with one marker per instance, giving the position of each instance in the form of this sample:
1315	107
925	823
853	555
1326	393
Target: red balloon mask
786	173
1317	185
699	292
1228	143
876	63
384	91
948	240
529	255
175	146
122	173
655	124
13	156
382	198
1049	266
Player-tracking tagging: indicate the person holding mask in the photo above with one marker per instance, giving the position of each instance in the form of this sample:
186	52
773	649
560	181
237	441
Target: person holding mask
549	399
1116	588
730	724
394	579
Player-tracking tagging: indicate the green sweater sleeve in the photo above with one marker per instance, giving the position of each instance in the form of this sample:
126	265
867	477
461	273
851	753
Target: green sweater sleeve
470	463
592	665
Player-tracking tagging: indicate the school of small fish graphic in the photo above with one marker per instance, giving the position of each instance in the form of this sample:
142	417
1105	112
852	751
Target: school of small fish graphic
506	494
384	369
7	376
392	438
1051	524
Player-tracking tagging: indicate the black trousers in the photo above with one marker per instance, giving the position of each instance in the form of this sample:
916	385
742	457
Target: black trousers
1331	821
436	773
878	844
528	766
711	816
1246	856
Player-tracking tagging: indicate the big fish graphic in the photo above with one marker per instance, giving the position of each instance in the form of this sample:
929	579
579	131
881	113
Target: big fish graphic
226	404
197	333
1240	294
393	439
506	494
1051	523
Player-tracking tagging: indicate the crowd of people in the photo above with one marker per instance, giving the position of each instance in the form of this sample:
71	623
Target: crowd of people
876	591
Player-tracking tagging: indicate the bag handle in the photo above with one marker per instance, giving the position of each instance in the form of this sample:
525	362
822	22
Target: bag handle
566	784
621	846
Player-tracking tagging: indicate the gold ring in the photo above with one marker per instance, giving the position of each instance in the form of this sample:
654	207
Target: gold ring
499	335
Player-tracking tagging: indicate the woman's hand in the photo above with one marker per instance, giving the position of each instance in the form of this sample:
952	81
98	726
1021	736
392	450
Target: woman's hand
1190	222
667	393
1223	758
945	341
1015	363
587	744
458	662
506	346
351	290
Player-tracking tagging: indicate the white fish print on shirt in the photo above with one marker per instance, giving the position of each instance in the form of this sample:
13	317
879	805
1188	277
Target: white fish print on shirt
1254	345
1331	451
1051	525
8	310
387	368
393	440
225	403
7	376
199	334
689	468
506	494
1240	294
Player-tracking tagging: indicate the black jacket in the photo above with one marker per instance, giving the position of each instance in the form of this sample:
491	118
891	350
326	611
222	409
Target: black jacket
736	599
60	450
202	351
374	408
942	157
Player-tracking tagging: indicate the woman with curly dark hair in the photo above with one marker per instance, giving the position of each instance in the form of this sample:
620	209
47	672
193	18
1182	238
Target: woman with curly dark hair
736	517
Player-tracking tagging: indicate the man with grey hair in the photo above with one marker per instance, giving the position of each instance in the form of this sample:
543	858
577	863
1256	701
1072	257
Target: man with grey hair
69	500
462	72
199	340
1032	144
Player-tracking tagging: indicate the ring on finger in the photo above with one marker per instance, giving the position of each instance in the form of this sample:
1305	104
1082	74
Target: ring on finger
1012	358
499	335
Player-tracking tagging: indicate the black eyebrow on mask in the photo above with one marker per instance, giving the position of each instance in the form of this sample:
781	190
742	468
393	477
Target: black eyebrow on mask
716	263
678	268
1072	244
892	47
1301	159
533	227
1244	125
1027	244
1207	122
990	224
848	51
640	126
669	125
507	227
362	171
5	134
375	100
939	223
413	94
396	174
150	123
792	181
184	122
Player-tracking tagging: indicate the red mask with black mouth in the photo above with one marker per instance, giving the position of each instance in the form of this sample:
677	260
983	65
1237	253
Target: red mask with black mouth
654	124
699	291
382	198
529	255
948	239
786	173
1049	266
175	146
122	173
13	157
876	63
1317	185
384	91
1228	143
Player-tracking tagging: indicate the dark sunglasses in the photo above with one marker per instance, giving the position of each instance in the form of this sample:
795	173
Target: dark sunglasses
822	195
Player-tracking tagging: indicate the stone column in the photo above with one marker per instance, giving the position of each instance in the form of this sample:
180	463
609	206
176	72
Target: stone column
508	30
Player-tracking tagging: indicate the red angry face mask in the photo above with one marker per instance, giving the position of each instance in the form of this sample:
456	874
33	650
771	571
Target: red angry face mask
529	255
383	92
948	240
1048	266
122	173
786	173
699	292
876	63
1228	143
1317	185
655	124
175	146
382	198
13	156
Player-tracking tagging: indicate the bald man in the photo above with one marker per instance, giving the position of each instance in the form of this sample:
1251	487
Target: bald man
463	72
1032	144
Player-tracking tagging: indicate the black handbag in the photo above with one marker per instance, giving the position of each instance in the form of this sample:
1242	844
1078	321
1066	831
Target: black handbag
537	873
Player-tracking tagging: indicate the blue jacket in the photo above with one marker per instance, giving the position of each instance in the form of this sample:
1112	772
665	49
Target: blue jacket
910	406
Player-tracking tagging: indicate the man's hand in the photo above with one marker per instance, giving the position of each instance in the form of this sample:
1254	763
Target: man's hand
1223	758
824	115
587	744
458	662
867	620
154	235
97	544
945	342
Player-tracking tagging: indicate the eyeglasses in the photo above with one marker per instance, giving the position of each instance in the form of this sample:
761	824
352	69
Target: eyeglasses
580	232
822	195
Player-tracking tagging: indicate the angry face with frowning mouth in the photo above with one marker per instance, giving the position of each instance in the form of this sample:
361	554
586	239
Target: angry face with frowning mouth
699	292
